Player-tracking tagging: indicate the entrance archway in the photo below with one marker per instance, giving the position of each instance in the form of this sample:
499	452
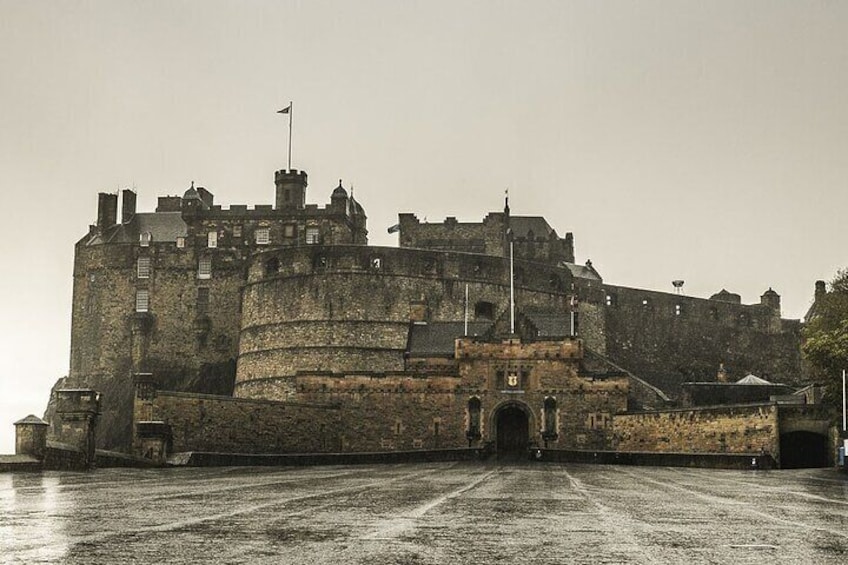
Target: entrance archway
799	450
513	432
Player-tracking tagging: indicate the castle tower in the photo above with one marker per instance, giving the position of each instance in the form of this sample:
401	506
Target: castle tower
291	189
771	299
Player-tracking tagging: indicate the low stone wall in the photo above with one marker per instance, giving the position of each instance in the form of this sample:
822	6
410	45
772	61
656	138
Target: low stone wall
200	459
740	429
63	457
19	463
200	422
701	460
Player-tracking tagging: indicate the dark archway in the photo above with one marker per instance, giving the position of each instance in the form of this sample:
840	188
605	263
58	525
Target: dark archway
513	432
800	450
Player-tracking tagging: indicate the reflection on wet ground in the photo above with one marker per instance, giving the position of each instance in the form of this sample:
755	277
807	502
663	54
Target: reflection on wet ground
430	513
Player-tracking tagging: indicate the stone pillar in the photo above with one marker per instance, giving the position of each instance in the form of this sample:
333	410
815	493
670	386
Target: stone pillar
77	411
31	436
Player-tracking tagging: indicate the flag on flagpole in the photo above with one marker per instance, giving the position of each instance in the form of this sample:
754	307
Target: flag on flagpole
285	110
395	228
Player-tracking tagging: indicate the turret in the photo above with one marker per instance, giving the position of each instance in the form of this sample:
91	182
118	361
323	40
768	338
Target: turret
291	189
771	299
338	200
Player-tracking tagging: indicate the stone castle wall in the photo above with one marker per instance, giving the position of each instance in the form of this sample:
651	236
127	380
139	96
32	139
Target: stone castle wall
347	308
727	429
672	338
224	424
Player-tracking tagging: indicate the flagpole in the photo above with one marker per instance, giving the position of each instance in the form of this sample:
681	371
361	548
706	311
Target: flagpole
291	111
511	291
466	310
844	405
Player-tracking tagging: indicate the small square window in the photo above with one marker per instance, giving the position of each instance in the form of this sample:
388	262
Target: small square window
180	242
237	230
289	231
204	268
212	239
143	267
313	236
678	309
142	300
263	236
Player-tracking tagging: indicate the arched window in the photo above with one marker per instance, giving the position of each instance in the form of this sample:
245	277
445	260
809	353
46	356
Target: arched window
549	432
473	431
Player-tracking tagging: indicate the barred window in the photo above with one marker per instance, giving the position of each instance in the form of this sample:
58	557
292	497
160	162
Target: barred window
143	267
313	236
145	238
204	268
202	300
142	300
212	239
263	236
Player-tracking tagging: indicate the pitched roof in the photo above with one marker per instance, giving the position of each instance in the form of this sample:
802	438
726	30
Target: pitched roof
437	339
752	380
162	226
581	271
32	420
522	225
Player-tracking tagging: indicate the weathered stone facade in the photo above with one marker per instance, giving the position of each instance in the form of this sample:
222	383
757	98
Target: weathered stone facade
267	323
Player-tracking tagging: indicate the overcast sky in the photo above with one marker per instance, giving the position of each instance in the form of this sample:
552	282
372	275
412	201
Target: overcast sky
703	141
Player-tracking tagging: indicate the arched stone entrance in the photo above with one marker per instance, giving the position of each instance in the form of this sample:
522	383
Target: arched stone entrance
802	449
512	429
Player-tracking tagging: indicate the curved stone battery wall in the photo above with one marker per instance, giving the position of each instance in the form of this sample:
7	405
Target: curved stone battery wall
346	309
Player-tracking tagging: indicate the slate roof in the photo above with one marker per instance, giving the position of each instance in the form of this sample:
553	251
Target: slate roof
163	226
32	420
548	322
437	339
522	225
582	271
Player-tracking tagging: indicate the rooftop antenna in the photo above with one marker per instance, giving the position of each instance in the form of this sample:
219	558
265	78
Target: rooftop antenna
678	285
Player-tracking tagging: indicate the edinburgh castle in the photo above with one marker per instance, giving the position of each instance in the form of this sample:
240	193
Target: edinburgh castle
277	329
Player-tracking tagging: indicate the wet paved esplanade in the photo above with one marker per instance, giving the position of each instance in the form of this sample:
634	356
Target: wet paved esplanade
427	513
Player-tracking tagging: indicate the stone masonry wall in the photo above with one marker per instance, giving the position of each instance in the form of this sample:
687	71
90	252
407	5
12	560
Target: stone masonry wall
223	424
673	339
729	429
346	308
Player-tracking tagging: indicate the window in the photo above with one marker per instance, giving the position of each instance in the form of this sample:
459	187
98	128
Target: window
202	301
272	267
263	236
145	238
678	309
237	230
550	410
142	300
611	300
143	267
180	242
212	239
473	431
376	263
289	231
204	268
313	236
484	311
